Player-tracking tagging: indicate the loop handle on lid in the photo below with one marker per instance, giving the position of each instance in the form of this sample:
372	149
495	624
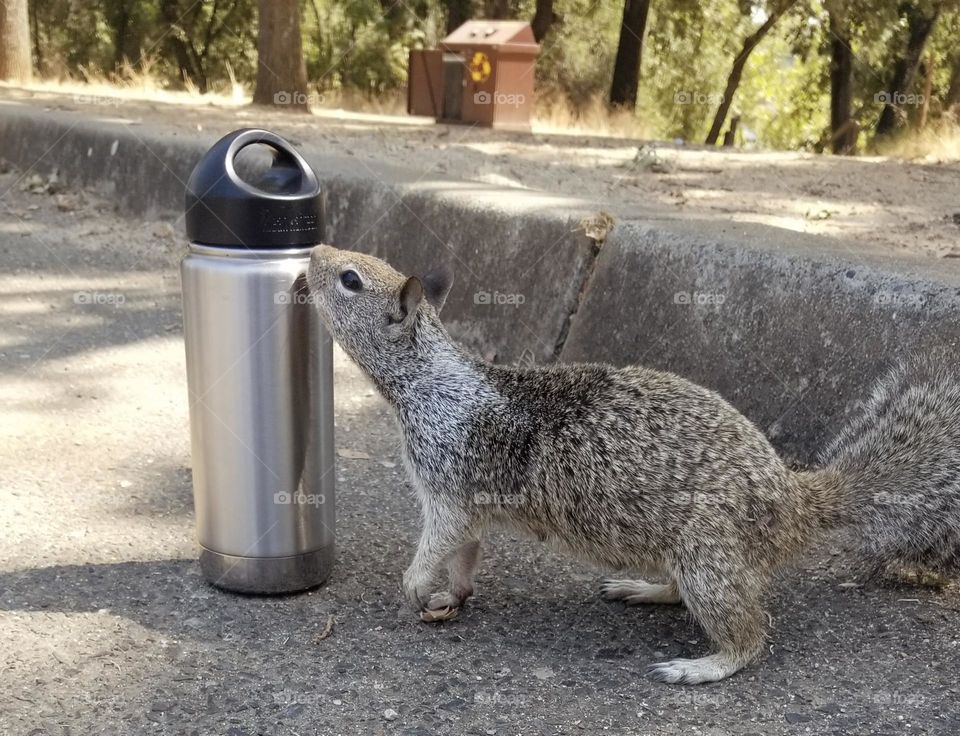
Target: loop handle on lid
282	208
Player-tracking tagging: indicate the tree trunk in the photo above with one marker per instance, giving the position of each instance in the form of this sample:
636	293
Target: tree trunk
121	25
35	34
843	135
182	52
951	103
928	72
281	72
919	28
626	67
15	62
736	72
543	18
730	137
497	9
458	13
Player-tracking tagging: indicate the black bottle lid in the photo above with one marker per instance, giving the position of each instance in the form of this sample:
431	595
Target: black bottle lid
279	207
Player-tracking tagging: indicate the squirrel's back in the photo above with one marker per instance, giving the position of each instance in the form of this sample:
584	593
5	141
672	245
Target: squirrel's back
619	462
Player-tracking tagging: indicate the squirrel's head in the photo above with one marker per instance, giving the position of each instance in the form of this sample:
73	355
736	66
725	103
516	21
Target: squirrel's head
373	311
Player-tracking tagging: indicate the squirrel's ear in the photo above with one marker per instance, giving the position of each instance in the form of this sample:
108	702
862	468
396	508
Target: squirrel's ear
411	294
436	285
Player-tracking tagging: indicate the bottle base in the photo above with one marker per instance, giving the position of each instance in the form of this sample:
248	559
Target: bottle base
267	575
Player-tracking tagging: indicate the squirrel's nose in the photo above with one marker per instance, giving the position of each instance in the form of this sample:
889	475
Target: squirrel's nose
320	257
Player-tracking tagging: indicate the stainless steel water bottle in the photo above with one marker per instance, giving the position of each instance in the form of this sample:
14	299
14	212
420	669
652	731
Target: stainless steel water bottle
259	371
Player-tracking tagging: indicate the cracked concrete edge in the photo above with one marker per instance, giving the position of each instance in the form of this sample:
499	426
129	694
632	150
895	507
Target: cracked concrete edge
793	341
583	286
791	328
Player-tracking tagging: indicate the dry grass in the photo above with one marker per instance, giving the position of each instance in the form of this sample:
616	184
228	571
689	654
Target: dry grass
140	84
556	115
939	142
389	103
134	83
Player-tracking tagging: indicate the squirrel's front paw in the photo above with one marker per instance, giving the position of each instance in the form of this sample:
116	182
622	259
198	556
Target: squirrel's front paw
416	590
441	607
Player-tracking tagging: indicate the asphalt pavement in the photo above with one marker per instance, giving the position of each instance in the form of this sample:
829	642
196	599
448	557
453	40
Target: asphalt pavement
106	626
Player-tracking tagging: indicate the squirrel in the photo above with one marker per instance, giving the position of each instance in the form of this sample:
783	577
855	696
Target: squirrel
635	469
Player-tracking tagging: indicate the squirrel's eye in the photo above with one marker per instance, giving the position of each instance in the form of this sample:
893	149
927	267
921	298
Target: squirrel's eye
351	280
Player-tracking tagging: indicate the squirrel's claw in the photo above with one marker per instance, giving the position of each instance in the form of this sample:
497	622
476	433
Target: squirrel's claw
441	607
431	616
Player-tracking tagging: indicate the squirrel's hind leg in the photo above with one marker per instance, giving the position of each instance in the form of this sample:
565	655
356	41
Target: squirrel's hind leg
637	592
730	611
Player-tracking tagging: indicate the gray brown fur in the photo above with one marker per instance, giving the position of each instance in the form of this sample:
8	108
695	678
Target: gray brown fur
899	462
634	469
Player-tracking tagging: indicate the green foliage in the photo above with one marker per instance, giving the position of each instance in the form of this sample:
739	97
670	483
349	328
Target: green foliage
354	44
707	36
576	57
72	36
177	40
783	99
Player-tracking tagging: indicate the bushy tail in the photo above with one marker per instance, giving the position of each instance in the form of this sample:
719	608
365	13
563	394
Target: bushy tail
896	470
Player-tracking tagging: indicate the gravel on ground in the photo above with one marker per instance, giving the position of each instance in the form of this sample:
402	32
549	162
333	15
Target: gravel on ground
106	626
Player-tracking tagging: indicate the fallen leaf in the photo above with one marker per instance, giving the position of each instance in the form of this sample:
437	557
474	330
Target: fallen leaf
441	614
327	630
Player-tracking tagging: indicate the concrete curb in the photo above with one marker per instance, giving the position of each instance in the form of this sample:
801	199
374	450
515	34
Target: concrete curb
793	336
413	220
790	328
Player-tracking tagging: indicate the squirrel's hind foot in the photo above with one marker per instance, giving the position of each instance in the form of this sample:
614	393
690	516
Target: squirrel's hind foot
637	592
695	671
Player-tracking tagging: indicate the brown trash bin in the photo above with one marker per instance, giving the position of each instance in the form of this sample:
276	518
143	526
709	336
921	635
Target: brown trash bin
425	83
483	73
